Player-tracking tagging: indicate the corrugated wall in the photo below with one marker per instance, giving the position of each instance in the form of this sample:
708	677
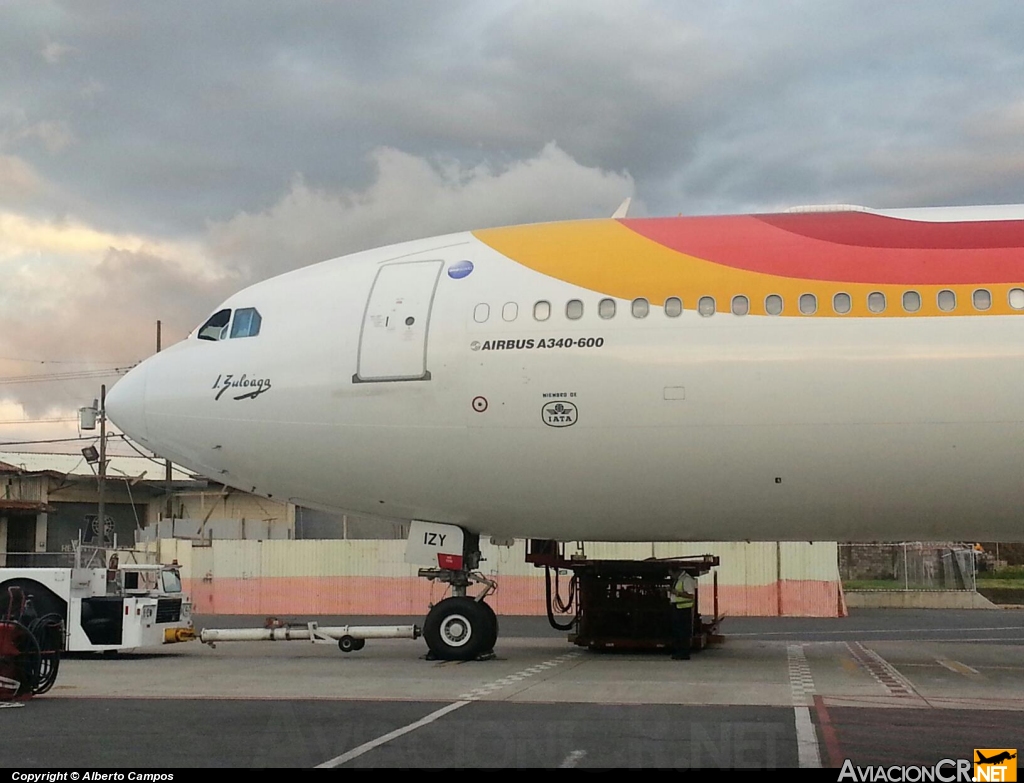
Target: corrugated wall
370	577
235	505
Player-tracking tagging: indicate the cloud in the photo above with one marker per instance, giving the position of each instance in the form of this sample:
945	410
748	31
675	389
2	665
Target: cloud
103	313
54	52
55	136
169	121
23	235
12	414
18	182
412	197
90	298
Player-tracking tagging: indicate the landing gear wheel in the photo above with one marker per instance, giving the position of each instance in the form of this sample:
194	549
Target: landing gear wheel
460	629
493	638
358	644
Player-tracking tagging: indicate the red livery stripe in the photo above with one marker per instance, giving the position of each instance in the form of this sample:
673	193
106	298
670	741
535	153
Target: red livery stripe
851	247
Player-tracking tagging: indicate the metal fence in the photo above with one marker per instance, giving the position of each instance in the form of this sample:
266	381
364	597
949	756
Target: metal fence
84	556
913	565
202	532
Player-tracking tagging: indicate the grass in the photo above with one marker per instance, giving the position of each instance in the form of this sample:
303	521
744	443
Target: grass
1010	577
873	584
1010	573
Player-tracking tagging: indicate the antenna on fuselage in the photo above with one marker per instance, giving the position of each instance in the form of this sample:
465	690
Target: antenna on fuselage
622	210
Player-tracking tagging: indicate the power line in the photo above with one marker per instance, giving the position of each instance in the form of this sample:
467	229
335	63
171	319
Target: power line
69	375
39	421
59	361
51	440
151	458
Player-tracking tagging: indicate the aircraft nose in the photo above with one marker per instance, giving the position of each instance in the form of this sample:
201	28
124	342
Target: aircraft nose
126	402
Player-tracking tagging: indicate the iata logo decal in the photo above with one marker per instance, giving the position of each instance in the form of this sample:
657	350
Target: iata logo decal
250	388
559	414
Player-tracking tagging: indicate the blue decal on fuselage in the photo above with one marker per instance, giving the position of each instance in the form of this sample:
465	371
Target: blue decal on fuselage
460	269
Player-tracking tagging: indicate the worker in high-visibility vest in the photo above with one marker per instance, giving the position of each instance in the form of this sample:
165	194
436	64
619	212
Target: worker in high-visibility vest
681	595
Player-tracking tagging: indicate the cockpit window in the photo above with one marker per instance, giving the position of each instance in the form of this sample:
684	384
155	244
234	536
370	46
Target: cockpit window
247	323
217	327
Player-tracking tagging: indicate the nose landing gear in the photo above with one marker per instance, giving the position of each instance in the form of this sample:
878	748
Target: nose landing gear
461	627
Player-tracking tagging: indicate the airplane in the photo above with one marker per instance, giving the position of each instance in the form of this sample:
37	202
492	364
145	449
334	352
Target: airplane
822	373
1004	756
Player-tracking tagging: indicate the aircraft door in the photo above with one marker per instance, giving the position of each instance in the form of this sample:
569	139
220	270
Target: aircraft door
393	337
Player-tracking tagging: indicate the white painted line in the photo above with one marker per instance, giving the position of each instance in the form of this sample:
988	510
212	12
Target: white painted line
878	630
806	739
465	698
366	747
958	668
572	759
511	679
801	688
801	683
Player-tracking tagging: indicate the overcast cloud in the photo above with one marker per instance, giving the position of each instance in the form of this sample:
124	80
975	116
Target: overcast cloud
156	156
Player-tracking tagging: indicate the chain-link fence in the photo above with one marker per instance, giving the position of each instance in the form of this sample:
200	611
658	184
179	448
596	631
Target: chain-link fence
908	566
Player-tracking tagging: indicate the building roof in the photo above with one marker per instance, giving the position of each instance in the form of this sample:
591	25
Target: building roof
75	465
23	505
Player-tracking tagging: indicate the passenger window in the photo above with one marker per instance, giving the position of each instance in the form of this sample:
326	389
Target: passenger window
542	311
982	299
773	304
217	327
606	308
247	323
842	303
1016	298
574	309
740	305
481	313
911	301
946	301
706	306
808	304
673	307
510	311
876	302
641	307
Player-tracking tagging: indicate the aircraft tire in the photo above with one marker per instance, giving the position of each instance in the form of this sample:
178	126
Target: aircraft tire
493	638
460	629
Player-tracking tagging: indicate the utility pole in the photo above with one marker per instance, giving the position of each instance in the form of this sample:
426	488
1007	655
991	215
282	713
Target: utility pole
167	464
102	521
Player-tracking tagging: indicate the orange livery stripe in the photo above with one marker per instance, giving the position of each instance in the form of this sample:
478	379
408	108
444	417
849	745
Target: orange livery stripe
757	256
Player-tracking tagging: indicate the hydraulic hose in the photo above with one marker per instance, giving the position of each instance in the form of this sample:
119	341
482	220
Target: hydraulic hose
555	601
48	632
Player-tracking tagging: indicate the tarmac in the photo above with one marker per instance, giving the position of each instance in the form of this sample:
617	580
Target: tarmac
905	687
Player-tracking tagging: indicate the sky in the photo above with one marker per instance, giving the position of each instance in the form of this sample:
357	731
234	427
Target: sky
155	157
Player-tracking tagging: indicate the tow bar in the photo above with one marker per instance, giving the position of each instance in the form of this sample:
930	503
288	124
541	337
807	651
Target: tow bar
349	638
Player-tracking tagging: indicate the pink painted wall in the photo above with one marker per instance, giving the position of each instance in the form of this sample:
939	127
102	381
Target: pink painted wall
516	595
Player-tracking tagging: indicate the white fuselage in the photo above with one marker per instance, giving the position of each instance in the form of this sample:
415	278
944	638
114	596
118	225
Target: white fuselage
689	428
